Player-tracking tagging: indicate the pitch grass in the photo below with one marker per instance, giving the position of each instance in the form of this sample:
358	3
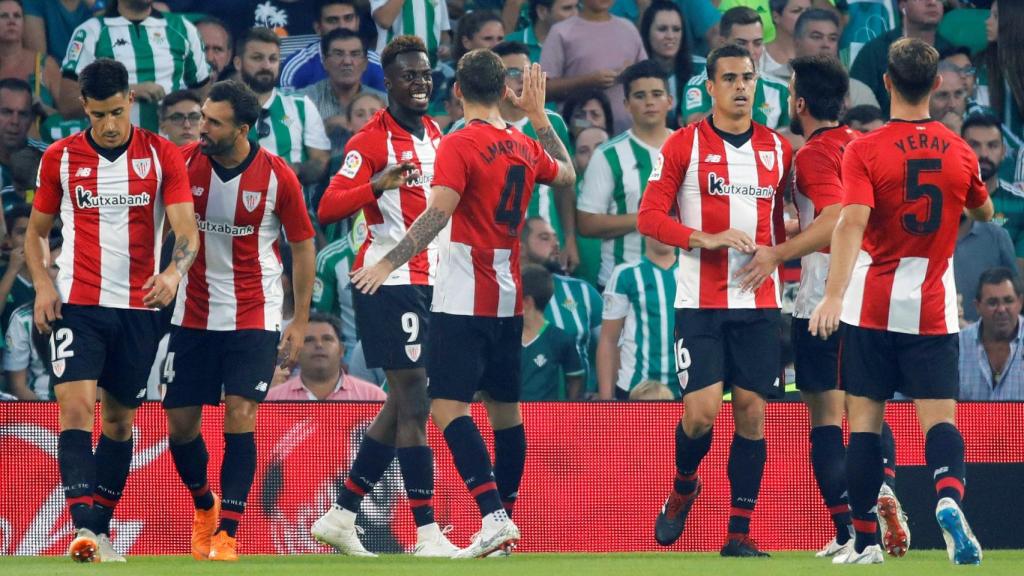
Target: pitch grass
918	563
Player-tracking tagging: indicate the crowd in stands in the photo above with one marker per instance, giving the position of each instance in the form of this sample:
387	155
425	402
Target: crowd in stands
622	74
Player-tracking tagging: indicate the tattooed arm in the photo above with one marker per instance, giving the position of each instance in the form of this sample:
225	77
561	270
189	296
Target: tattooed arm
531	101
163	287
443	201
554	146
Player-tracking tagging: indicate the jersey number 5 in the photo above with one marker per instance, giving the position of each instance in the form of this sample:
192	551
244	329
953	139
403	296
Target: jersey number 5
509	210
930	192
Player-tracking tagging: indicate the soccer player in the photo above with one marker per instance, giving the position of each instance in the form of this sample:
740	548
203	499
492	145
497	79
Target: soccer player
483	179
111	186
891	285
818	87
227	319
387	171
723	177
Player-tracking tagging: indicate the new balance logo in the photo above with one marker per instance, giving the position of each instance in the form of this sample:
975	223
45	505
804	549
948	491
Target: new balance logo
83	172
407	155
261	387
713	158
141	394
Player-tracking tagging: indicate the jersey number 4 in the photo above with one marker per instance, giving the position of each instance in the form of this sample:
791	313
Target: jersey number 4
930	192
509	211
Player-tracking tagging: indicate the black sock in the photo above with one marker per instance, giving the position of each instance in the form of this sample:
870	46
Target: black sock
191	460
689	453
888	456
236	475
828	459
417	465
509	461
746	467
113	462
371	462
944	454
77	474
473	463
864	478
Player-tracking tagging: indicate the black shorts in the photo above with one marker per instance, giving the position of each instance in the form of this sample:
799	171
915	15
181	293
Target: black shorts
392	325
816	360
114	346
741	348
471	353
877	363
200	362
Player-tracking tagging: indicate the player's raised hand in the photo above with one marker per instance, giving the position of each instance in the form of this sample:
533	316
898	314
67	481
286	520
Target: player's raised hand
735	239
764	262
532	99
162	288
824	321
395	176
368	279
46	308
291	343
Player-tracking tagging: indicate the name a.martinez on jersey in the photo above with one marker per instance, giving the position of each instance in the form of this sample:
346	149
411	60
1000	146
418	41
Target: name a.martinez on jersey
87	199
718	187
224	229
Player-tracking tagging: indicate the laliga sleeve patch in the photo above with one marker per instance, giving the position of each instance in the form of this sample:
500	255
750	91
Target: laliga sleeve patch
658	165
694	98
350	167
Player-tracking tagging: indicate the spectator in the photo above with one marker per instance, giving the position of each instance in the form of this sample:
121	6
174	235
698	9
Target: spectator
219	48
958	59
780	50
864	118
587	142
949	100
550	361
331	293
617	174
651	391
980	246
345	59
289	125
761	7
817	32
543	15
49	24
991	367
589	51
321	376
661	29
15	282
586	109
37	68
25	356
306	67
741	26
920	20
453	111
165	48
864	20
290	20
575	307
984	135
638	324
180	114
16	118
478	29
1004	72
23	167
699	16
398	17
363	108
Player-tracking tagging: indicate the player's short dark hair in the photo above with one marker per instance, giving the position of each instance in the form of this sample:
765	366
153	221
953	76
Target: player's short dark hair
814	15
998	275
509	47
339	34
481	76
912	67
177	97
538	284
19	210
727	51
401	45
980	120
102	79
863	114
642	69
257	34
242	99
737	16
331	319
822	82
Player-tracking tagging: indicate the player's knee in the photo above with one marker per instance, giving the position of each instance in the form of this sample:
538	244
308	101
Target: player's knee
749	419
696	423
413	412
76	414
117	427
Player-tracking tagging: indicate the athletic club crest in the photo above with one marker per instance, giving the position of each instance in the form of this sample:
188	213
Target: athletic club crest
141	167
58	367
767	158
413	351
250	199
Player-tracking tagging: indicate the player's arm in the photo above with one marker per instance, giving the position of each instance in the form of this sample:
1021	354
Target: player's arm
355	185
303	274
846	242
162	288
984	212
608	357
532	102
37	258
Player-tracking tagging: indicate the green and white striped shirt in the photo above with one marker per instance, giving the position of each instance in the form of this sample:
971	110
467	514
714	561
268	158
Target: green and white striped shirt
424	18
295	124
613	184
542	203
331	293
644	294
20	354
575	308
771	100
164	48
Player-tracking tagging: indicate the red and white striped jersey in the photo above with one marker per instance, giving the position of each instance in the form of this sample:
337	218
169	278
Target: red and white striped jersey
703	182
235	282
817	183
111	213
381	144
494	171
917	177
